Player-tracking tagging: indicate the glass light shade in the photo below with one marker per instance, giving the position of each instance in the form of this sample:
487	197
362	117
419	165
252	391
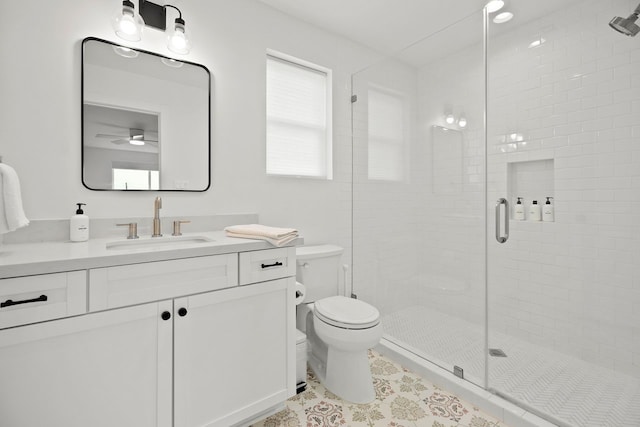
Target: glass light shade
128	24
462	122
449	118
177	40
134	141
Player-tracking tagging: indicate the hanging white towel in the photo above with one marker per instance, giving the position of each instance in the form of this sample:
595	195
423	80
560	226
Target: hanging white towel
12	214
275	235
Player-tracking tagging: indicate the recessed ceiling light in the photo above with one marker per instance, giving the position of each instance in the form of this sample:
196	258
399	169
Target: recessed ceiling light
536	43
503	17
494	5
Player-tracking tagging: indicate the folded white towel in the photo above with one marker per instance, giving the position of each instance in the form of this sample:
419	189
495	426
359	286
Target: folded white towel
12	214
275	235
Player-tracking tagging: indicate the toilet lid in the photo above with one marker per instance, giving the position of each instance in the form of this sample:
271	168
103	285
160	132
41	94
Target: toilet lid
347	312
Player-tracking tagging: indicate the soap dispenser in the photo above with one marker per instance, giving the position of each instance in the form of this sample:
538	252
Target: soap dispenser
547	211
79	225
534	211
518	210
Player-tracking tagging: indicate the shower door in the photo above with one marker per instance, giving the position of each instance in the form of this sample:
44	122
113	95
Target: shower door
564	295
419	195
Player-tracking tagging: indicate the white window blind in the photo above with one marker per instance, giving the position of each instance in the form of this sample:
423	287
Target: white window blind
386	146
298	120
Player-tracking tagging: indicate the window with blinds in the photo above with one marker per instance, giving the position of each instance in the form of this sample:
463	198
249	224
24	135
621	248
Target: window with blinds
298	118
386	139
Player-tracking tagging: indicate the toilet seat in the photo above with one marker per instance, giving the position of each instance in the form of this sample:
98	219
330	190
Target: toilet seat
346	312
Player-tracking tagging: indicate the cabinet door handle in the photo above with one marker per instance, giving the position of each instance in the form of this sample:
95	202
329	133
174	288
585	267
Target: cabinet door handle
166	315
275	264
9	302
182	312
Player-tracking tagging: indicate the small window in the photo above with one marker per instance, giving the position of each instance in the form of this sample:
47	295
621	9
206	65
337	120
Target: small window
298	118
135	179
386	146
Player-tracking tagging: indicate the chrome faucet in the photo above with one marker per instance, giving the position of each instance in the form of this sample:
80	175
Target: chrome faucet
157	205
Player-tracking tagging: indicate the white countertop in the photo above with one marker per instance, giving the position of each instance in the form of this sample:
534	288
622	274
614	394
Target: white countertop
24	259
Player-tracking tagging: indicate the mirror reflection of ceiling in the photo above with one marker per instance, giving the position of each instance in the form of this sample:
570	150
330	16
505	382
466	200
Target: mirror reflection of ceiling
107	127
389	26
105	55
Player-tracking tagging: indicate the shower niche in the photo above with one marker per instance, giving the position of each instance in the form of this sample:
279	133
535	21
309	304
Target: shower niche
530	180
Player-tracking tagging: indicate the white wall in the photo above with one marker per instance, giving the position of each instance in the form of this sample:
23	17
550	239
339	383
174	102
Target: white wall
40	112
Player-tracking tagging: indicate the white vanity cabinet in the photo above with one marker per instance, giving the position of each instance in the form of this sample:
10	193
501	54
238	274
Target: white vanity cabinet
101	369
233	353
167	343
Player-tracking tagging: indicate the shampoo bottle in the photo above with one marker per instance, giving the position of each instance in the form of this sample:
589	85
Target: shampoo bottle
518	210
79	225
534	211
547	211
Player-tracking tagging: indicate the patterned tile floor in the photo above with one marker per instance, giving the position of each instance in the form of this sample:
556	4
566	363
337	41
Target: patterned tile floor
403	399
572	391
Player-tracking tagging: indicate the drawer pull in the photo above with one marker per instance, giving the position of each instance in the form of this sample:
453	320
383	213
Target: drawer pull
275	264
9	302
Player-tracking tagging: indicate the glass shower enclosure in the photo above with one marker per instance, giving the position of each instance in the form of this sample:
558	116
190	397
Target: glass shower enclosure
447	135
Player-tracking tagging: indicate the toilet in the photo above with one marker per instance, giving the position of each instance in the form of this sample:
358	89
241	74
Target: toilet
339	330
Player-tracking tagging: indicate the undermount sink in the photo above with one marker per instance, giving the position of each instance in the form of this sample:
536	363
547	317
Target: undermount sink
167	242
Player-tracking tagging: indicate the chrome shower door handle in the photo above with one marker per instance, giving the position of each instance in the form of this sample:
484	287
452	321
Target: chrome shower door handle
500	238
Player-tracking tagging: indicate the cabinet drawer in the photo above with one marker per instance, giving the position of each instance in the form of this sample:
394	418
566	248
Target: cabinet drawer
32	299
259	266
119	286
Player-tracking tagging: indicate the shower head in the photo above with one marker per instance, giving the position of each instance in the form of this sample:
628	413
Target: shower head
626	26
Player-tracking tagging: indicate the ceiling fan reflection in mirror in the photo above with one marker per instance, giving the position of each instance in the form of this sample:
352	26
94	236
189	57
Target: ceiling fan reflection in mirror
135	137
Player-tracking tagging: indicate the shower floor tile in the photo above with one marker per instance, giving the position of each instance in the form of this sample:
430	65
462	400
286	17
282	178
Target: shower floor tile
571	391
403	399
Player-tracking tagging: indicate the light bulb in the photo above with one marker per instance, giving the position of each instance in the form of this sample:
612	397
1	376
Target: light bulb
177	40
128	24
449	119
462	122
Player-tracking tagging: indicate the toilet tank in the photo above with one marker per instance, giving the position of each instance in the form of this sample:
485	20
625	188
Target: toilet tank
318	269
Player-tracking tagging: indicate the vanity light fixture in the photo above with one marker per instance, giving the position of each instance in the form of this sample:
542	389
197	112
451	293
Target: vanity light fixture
462	122
129	25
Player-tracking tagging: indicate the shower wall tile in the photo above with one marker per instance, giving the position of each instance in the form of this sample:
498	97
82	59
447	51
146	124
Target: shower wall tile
576	99
572	285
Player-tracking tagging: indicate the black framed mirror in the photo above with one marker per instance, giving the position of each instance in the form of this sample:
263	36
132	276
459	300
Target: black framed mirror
146	120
